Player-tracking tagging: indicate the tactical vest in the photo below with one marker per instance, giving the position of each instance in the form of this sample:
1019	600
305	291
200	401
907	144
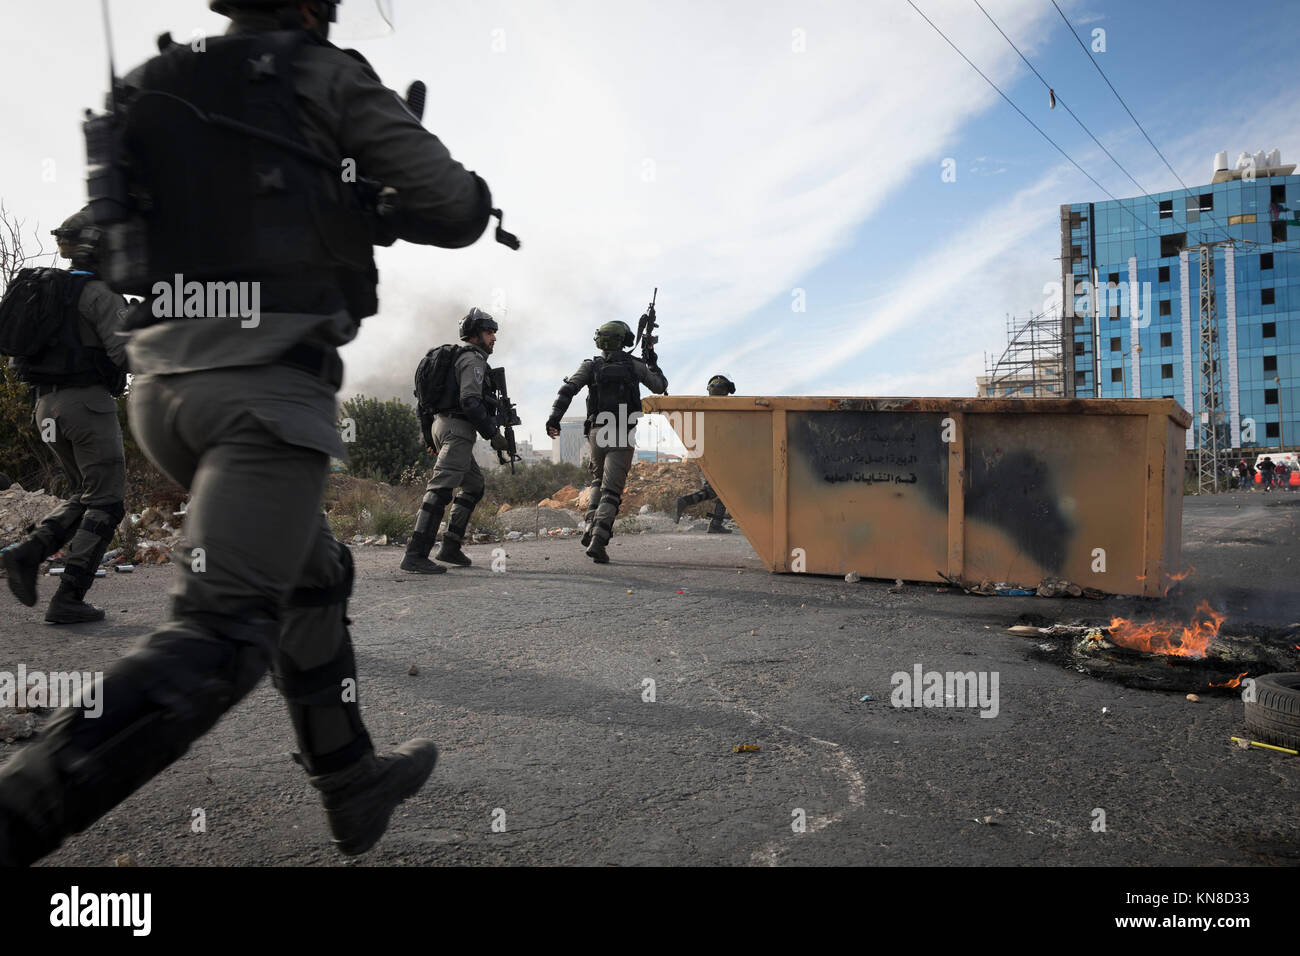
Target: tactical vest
66	360
613	384
225	188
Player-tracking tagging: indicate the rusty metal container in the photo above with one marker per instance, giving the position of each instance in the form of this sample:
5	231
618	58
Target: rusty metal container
1003	490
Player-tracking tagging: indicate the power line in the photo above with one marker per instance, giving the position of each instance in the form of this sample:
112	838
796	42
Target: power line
1061	100
1144	226
1009	102
1093	60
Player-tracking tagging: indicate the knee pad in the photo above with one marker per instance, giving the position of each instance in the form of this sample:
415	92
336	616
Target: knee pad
102	520
467	501
337	593
322	700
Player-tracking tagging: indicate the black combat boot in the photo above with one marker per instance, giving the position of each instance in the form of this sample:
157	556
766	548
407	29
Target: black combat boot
596	551
715	520
586	536
417	560
360	800
450	552
68	607
22	562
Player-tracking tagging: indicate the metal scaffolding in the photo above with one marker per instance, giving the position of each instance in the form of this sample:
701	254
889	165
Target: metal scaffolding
1212	431
1031	365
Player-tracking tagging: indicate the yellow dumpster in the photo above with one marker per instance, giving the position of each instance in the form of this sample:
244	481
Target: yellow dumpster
1000	490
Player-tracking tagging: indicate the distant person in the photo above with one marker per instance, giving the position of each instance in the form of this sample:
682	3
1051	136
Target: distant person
1247	478
74	380
1282	474
1266	470
719	385
448	424
613	380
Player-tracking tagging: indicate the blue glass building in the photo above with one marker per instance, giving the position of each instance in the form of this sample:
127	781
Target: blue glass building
1130	276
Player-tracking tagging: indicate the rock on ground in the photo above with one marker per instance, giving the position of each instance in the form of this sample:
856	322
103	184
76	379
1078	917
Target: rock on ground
531	518
19	508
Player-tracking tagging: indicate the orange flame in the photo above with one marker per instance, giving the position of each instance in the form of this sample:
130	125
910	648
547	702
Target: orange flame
1168	637
1235	682
1173	579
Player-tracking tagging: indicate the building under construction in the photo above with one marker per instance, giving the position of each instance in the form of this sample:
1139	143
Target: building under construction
1031	364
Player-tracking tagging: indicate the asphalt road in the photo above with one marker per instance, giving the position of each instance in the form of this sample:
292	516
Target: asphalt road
532	680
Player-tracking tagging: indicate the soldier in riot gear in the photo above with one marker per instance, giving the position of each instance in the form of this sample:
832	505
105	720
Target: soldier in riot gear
448	422
718	385
74	383
243	413
613	380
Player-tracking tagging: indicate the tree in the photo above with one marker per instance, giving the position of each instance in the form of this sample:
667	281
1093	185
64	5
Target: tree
383	438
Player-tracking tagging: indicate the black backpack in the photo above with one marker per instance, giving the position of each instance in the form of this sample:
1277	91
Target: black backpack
433	376
34	310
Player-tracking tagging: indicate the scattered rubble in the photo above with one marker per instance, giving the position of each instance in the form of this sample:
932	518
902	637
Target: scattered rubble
16	726
21	509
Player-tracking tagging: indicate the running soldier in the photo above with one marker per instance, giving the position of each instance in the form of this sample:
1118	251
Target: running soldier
239	148
613	380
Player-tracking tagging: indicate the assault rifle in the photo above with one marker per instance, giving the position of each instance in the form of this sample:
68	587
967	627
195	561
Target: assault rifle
645	334
505	417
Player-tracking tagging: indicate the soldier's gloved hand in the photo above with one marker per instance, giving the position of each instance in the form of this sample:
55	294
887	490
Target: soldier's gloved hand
553	427
500	442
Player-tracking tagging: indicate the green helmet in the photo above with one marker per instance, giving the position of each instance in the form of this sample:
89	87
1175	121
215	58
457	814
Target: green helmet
614	335
721	385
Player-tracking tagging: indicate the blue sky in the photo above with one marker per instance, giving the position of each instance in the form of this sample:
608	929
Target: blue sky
731	153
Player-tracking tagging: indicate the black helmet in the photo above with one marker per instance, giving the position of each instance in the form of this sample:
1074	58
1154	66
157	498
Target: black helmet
79	234
721	385
475	322
614	335
229	7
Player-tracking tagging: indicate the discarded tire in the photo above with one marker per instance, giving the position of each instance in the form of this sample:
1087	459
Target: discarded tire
1274	715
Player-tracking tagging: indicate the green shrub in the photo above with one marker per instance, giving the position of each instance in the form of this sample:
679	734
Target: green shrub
397	524
386	437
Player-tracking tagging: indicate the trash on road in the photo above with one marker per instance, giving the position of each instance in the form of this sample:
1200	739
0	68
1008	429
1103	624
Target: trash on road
745	749
852	577
1247	744
412	671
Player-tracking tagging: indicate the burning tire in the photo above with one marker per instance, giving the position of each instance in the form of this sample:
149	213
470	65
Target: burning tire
1274	715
